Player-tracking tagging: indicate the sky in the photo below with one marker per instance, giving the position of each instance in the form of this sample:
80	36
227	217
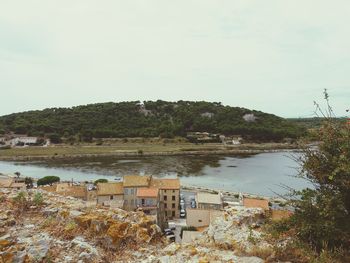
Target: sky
272	55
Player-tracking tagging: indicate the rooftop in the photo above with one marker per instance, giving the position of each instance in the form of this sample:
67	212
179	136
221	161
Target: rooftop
166	183
147	192
6	182
136	180
209	198
256	203
110	188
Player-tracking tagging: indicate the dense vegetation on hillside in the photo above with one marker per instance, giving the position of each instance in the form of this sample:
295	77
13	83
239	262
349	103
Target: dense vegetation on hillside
149	119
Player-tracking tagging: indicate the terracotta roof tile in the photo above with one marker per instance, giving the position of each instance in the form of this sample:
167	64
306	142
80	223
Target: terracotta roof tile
110	189
257	203
166	183
136	180
147	192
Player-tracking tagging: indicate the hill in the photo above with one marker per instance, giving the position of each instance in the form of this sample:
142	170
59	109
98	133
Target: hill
150	119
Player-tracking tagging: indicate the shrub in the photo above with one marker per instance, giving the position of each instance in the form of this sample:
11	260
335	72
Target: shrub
38	199
100	181
48	180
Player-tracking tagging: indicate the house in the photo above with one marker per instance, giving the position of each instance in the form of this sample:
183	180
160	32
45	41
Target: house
130	185
147	200
68	189
169	194
256	203
201	217
110	194
209	201
23	140
11	183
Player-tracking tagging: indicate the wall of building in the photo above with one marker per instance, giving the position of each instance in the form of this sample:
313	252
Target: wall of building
197	217
130	198
209	206
201	217
171	200
107	198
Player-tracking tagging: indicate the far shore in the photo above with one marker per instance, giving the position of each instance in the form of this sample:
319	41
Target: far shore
138	150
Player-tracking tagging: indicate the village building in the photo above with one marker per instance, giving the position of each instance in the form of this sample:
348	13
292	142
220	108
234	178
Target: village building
201	217
68	189
11	183
256	203
209	201
110	194
23	140
147	200
130	185
189	236
169	194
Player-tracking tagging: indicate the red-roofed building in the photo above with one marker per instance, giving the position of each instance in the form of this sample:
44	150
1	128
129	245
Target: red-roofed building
147	200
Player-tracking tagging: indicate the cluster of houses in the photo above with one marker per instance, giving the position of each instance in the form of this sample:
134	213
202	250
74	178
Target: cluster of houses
156	197
14	140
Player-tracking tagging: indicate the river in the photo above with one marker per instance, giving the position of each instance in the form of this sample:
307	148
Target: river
262	174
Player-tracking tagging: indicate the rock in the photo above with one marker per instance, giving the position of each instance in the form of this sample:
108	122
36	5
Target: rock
75	213
50	211
39	247
81	243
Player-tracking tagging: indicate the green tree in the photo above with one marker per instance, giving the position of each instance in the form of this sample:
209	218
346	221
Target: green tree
322	214
100	181
48	180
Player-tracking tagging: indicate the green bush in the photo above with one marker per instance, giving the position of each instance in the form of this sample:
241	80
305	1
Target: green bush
100	181
48	180
38	199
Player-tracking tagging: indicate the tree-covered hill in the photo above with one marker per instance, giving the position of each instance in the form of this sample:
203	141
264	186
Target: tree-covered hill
150	119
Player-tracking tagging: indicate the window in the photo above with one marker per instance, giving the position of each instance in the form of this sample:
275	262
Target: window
173	191
132	191
126	192
164	191
165	198
126	202
199	220
111	197
132	201
173	197
166	213
173	205
165	206
173	213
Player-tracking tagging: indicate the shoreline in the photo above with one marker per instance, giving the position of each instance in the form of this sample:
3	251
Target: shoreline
122	154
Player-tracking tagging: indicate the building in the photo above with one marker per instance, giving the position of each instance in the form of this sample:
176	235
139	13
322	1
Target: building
68	189
11	183
130	185
209	201
169	194
201	217
147	200
110	194
23	140
256	203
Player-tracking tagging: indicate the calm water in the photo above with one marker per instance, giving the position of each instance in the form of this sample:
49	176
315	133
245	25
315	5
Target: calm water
262	174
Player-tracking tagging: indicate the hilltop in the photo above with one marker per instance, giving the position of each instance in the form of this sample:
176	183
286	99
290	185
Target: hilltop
149	119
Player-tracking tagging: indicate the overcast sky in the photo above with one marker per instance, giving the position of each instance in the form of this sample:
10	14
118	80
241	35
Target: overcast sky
274	56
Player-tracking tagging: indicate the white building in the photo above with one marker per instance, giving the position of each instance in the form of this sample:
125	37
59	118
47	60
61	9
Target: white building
23	140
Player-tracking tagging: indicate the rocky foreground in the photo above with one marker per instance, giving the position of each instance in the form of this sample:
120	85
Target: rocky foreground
44	227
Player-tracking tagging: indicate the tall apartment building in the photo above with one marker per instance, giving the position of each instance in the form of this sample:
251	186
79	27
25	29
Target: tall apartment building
169	194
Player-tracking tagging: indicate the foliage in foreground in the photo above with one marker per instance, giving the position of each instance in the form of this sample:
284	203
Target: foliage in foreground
322	215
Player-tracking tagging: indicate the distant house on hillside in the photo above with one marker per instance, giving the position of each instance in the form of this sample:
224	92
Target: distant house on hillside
23	140
11	183
256	203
